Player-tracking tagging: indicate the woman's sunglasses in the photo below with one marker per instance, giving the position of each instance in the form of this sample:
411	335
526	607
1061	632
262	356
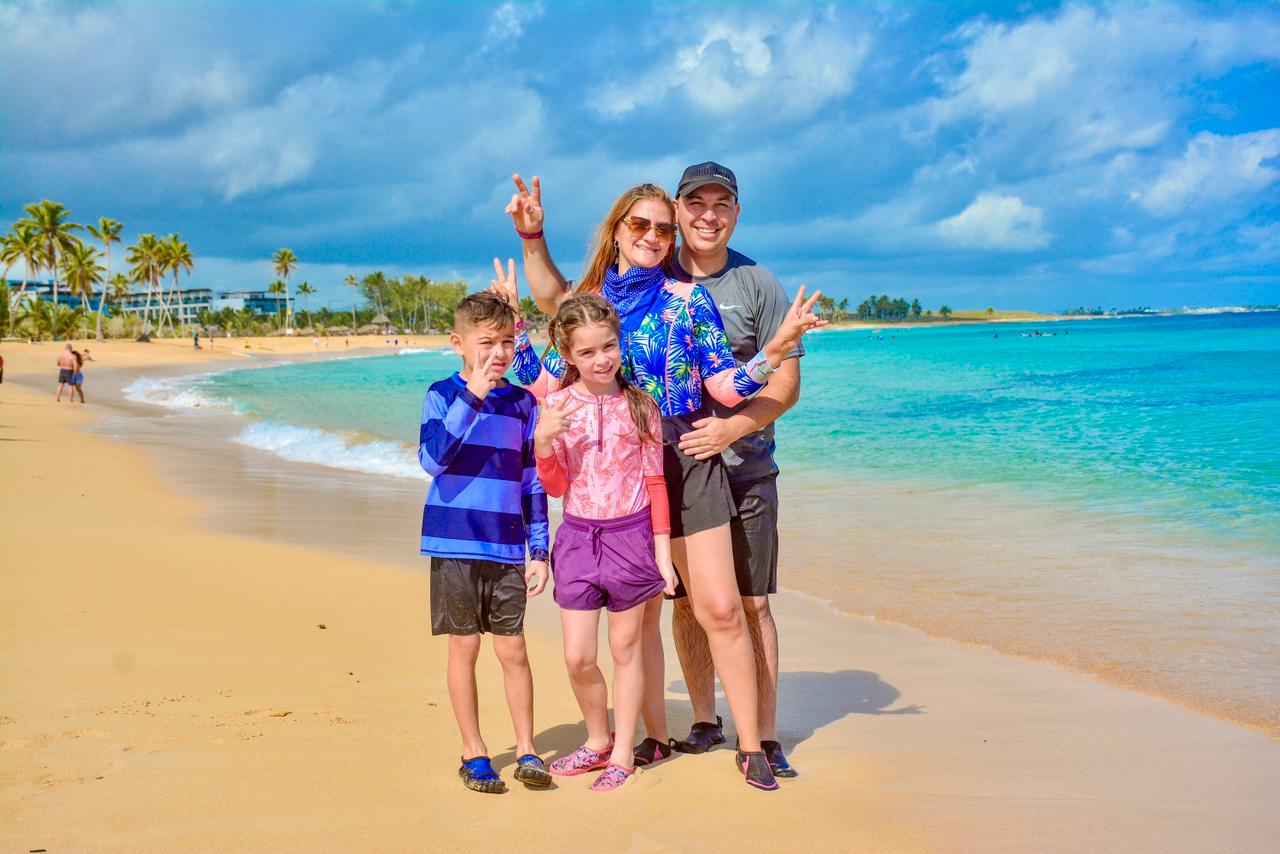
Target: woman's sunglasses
640	226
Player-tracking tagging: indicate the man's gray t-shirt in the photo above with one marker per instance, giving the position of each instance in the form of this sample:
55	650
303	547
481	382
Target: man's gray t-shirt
752	305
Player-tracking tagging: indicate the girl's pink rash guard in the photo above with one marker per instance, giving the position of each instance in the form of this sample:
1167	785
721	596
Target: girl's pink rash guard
600	465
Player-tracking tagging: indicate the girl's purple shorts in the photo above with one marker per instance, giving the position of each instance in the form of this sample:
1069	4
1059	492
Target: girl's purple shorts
605	563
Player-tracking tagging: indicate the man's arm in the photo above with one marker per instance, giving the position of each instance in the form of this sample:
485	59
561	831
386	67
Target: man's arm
712	435
546	282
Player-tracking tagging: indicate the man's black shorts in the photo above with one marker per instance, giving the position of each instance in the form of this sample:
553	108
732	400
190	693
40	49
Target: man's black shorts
65	375
755	538
474	596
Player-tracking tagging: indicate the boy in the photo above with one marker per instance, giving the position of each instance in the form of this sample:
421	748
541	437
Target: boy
484	504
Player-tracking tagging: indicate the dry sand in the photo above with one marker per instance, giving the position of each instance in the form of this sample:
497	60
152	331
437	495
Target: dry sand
165	684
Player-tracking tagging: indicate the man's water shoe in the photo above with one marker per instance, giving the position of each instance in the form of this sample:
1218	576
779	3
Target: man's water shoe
702	737
478	775
612	777
531	772
651	750
755	767
778	760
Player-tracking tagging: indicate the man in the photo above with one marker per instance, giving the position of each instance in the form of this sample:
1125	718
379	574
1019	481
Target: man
66	372
752	304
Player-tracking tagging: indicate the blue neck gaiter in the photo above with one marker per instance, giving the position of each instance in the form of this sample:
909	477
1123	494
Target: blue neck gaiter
628	290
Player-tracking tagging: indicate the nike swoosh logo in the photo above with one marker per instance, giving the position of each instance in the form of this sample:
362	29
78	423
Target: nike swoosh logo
724	307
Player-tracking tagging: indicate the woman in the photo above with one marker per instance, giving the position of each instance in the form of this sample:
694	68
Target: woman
674	345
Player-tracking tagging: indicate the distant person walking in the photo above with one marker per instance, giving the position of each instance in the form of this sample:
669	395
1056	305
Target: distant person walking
66	370
195	338
77	378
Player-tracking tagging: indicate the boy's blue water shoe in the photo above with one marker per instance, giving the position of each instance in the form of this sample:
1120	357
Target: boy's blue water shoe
531	771
478	775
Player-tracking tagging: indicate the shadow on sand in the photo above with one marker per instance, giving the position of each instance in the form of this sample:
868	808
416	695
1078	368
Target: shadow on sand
807	701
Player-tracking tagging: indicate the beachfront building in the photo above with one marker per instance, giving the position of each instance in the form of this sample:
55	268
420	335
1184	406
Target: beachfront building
184	305
259	302
43	291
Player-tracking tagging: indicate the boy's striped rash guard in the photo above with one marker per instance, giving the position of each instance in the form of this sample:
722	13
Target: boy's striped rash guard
676	348
486	500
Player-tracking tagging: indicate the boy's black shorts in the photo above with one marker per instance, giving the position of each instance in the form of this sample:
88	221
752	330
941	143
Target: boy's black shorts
472	596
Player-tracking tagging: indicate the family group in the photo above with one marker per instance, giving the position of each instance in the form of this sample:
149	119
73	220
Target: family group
650	413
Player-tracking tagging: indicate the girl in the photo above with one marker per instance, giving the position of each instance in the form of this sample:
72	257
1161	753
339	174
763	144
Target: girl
598	445
673	346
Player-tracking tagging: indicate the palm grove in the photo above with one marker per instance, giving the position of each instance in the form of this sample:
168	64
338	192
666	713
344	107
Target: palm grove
45	241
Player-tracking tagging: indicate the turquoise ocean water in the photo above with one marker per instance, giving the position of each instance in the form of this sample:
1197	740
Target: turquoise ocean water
1157	433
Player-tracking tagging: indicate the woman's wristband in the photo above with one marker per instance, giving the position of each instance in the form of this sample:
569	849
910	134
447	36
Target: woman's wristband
759	368
531	235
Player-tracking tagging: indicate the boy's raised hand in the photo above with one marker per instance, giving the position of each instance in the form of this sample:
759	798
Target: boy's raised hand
525	207
504	283
798	320
485	377
535	577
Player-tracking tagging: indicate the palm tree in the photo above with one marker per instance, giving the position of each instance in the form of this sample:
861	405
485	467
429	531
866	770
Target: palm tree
945	311
25	245
108	231
277	287
175	257
283	263
145	262
353	283
81	271
306	290
118	288
48	219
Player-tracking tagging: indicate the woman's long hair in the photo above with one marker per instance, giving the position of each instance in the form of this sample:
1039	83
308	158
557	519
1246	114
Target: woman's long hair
582	310
604	252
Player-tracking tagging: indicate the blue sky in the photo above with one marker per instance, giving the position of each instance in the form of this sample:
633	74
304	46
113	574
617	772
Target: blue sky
1019	155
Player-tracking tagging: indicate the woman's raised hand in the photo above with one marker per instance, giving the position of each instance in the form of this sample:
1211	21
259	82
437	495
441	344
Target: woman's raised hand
504	285
798	320
525	207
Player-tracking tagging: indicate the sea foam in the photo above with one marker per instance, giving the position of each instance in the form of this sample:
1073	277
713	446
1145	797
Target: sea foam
189	392
321	447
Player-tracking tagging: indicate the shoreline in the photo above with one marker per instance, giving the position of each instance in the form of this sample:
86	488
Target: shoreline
1082	536
931	764
941	624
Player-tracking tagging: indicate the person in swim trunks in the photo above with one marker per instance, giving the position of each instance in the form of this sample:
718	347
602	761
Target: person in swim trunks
66	370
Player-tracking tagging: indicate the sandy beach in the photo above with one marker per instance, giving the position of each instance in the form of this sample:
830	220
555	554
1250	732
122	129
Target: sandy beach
210	648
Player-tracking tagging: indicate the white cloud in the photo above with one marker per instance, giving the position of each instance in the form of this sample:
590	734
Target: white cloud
1086	81
998	222
755	67
1214	170
508	22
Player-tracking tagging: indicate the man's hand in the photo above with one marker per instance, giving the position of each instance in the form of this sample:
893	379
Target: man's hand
553	419
485	377
525	208
798	320
535	577
504	285
708	437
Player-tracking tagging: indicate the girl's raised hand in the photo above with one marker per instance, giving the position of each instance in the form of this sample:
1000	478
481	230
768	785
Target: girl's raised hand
504	283
525	207
553	420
